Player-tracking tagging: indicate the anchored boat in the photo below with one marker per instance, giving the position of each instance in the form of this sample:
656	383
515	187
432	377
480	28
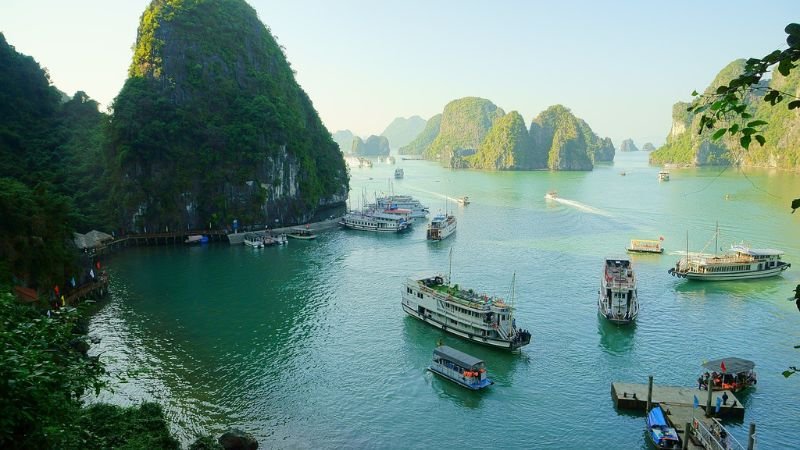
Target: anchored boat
463	312
460	368
728	374
398	173
660	431
618	297
402	202
645	246
372	220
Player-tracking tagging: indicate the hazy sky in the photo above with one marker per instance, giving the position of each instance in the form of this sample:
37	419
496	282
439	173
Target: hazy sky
618	65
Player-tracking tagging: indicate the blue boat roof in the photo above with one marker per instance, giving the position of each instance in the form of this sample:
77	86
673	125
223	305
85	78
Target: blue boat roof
656	418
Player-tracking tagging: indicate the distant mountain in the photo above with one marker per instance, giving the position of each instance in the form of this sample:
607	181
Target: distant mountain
402	131
648	147
423	139
628	146
782	132
344	139
374	146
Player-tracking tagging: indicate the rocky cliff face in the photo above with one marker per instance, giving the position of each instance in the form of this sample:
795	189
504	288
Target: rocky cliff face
648	147
344	139
559	139
685	146
507	146
402	131
211	125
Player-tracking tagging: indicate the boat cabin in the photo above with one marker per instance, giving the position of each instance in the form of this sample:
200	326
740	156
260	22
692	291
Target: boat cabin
660	432
730	374
645	246
459	367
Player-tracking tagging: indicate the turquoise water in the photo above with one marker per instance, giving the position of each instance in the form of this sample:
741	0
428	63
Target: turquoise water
307	346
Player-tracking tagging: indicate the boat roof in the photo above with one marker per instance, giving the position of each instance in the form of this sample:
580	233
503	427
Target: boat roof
732	364
456	356
621	262
755	251
656	417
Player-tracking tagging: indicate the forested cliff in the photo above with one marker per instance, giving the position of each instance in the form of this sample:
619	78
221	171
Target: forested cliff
782	132
211	125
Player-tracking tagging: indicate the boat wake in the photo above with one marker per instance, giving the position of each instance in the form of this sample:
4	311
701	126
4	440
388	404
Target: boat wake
582	207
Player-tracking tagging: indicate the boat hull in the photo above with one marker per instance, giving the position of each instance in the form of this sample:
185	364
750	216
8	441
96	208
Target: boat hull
236	238
475	387
497	343
747	275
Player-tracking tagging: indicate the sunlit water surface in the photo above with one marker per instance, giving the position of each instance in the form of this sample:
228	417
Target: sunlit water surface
307	346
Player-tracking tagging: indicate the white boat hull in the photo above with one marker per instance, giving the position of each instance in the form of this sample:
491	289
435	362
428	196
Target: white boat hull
746	275
479	339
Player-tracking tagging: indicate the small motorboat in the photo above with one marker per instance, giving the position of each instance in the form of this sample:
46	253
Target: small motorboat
460	368
660	431
463	200
728	374
551	195
302	233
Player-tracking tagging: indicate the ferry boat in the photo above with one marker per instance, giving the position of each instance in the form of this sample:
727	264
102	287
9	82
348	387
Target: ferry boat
618	300
742	262
728	374
460	368
398	173
645	246
441	226
373	220
663	175
277	239
660	431
480	318
402	202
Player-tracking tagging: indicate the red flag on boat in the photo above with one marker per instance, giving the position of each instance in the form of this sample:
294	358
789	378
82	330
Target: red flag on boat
722	366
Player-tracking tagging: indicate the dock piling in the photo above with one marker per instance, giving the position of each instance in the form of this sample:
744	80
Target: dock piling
751	437
708	400
687	431
649	394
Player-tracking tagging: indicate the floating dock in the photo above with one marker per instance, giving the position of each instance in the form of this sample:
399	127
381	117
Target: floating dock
634	396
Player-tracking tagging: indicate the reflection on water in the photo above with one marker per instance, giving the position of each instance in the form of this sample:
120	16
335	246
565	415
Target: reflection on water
615	339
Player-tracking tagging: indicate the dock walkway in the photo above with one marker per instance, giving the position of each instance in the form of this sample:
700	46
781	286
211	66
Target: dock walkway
634	396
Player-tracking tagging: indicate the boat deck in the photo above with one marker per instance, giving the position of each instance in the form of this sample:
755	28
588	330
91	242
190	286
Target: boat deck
634	396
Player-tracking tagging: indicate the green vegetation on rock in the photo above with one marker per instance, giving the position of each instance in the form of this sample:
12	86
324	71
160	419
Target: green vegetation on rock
465	123
211	125
402	131
648	147
558	136
507	146
424	139
374	146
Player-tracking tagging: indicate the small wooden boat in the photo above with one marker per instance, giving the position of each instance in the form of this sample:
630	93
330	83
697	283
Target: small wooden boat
253	240
660	431
301	233
460	368
728	374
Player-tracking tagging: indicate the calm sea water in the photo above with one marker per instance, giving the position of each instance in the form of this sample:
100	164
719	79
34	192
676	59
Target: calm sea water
307	346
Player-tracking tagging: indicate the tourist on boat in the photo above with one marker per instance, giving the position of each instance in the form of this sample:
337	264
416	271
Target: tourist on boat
700	382
724	398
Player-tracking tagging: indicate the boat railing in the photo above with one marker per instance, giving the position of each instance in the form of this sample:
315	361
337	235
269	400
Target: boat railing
715	437
475	304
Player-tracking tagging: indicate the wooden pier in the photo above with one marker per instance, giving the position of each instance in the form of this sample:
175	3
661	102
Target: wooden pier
634	396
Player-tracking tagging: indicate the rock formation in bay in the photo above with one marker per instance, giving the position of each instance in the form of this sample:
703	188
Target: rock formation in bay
344	139
424	139
374	146
507	146
648	147
465	123
628	146
211	126
559	140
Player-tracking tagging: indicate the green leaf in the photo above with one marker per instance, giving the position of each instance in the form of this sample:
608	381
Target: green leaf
760	139
793	29
745	115
745	142
734	128
748	131
794	104
722	89
719	133
787	373
785	66
716	105
695	94
756	123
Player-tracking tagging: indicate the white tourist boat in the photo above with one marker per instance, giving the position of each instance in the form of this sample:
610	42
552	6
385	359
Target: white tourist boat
441	226
742	262
253	240
398	173
302	233
402	202
374	220
618	297
477	317
663	175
